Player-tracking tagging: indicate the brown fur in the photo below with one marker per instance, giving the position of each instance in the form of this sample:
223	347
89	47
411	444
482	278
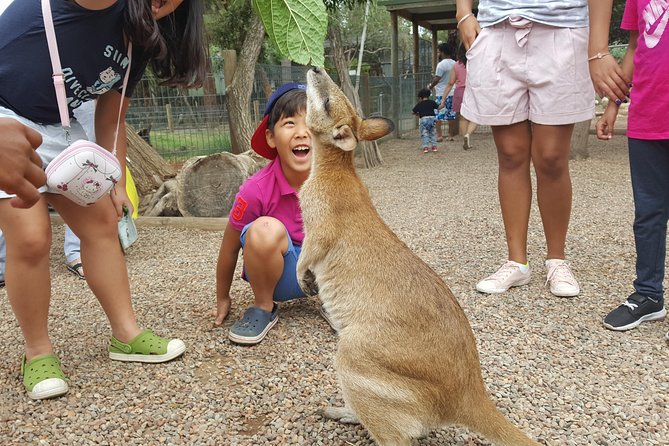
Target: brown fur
406	359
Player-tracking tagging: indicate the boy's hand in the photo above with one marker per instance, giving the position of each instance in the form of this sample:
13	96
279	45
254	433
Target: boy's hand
223	305
606	123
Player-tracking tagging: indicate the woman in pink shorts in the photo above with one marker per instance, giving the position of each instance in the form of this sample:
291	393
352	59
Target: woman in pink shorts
527	77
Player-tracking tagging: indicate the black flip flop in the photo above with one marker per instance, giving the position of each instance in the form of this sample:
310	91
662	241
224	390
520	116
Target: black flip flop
77	269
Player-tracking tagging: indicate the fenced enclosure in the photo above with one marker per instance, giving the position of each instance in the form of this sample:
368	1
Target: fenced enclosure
181	124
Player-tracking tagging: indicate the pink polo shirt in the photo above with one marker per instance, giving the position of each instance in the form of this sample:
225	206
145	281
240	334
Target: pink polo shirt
647	118
267	193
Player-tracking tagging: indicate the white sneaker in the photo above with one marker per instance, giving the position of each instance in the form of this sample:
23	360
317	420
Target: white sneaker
509	275
561	279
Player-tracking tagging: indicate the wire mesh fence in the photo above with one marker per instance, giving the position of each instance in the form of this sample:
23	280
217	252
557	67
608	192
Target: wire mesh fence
181	124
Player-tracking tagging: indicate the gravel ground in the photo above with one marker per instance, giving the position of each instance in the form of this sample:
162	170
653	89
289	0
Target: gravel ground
548	362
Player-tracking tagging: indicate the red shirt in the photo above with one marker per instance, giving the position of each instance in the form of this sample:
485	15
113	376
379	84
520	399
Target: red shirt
267	193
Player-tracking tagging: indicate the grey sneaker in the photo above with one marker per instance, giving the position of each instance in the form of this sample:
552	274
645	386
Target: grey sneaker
509	275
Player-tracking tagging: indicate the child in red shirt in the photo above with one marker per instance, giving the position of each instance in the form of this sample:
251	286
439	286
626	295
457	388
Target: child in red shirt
266	220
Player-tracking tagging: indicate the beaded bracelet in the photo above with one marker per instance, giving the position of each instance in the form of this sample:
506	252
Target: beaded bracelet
464	17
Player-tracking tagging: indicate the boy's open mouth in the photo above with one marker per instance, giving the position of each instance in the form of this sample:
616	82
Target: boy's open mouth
301	151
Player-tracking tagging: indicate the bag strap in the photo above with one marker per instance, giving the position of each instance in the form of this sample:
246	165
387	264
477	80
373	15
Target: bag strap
59	77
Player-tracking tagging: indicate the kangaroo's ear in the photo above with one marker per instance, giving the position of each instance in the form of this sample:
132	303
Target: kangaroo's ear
374	128
344	138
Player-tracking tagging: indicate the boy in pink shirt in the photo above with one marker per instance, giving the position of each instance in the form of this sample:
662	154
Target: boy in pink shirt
646	62
266	220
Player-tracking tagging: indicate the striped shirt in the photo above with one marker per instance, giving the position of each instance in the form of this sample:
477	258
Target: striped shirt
562	13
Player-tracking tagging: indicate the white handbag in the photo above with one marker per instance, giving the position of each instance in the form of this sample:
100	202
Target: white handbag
85	171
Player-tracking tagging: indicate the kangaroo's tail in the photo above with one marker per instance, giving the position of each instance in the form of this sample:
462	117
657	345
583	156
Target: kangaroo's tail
488	421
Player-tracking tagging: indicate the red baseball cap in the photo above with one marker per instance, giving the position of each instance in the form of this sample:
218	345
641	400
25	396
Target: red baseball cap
259	141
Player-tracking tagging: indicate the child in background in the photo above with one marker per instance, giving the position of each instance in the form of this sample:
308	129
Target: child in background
646	62
425	110
532	108
266	219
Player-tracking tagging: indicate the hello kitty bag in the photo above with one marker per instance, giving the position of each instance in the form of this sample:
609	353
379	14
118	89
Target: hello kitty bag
85	171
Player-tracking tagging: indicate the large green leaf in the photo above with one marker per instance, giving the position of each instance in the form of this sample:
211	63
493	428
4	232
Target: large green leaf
296	27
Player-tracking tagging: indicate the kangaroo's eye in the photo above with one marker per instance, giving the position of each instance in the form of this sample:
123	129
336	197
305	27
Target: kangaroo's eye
326	105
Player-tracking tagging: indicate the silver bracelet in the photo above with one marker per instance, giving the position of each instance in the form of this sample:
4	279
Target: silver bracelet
465	17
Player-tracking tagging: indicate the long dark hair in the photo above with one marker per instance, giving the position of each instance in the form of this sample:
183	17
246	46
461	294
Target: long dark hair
174	45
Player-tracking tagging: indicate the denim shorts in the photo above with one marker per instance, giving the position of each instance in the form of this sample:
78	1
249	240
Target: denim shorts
53	140
287	288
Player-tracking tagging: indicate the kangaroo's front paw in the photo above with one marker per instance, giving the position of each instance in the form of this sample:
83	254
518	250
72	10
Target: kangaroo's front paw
308	283
342	414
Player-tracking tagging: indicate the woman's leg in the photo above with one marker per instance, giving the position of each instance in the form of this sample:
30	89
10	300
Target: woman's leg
106	273
550	156
28	237
514	184
265	244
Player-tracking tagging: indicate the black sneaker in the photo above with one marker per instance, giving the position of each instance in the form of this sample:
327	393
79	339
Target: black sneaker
635	310
2	283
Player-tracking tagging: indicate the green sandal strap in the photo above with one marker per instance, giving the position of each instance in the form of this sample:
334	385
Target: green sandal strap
145	343
40	368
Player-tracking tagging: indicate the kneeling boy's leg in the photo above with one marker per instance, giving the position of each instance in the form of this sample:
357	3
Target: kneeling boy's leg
265	241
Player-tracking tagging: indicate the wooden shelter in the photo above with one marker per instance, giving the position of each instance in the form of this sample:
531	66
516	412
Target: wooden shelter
433	15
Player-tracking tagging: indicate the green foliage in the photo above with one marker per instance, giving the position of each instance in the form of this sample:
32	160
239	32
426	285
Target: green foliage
296	27
618	52
186	143
617	35
227	23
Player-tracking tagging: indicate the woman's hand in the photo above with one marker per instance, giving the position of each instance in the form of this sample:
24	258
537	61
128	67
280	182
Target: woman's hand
608	78
469	30
606	122
21	170
120	200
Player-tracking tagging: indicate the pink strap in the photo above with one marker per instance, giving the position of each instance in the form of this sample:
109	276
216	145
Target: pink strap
59	76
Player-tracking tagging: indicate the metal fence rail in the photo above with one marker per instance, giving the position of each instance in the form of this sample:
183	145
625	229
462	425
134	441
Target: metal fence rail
182	124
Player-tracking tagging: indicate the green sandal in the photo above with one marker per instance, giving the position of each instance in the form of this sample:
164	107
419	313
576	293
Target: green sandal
43	377
146	347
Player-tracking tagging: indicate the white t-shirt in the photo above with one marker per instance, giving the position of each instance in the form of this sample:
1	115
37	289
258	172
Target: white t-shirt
562	13
444	68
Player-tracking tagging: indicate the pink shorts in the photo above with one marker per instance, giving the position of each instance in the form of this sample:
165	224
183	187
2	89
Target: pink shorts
520	70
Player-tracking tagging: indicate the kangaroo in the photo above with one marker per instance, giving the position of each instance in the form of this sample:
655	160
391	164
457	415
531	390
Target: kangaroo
406	356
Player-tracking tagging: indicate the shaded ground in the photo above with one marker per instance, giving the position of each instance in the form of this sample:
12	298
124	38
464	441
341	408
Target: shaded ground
547	361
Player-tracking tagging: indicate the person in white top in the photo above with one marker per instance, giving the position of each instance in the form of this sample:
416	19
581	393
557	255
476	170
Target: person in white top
441	76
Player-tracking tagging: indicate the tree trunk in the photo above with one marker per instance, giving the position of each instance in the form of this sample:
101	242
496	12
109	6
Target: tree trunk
147	167
369	150
207	185
238	92
209	99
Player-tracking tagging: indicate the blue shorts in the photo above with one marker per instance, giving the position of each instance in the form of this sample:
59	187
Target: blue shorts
287	288
446	113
